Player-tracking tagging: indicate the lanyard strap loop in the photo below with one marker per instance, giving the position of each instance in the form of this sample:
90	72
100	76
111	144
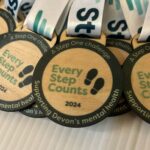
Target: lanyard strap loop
134	12
114	23
145	34
85	18
45	16
18	6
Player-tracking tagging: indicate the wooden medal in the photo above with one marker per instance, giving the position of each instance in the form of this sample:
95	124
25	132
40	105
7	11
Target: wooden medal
19	54
76	84
137	81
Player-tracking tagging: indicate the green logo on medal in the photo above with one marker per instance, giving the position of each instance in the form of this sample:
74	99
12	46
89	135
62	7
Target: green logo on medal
40	23
137	4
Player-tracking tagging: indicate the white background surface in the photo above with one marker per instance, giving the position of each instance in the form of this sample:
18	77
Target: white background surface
126	132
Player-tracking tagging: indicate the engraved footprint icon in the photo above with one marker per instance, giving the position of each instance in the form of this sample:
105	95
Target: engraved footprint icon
90	76
97	86
99	83
28	79
25	82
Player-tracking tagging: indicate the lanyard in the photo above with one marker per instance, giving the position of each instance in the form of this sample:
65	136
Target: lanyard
44	19
17	7
145	34
114	24
85	18
134	12
26	6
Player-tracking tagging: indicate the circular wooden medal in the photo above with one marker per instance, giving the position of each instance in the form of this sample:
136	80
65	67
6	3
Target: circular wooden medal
33	111
19	54
121	49
137	81
7	22
77	83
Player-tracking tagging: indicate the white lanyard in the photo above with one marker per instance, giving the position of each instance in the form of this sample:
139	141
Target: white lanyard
45	15
134	12
85	18
145	34
26	6
16	6
114	24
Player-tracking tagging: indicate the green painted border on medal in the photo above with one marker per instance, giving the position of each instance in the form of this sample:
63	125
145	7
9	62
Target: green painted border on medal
78	121
127	69
9	20
43	47
124	107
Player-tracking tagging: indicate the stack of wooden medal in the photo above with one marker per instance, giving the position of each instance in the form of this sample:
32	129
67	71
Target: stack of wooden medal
77	76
